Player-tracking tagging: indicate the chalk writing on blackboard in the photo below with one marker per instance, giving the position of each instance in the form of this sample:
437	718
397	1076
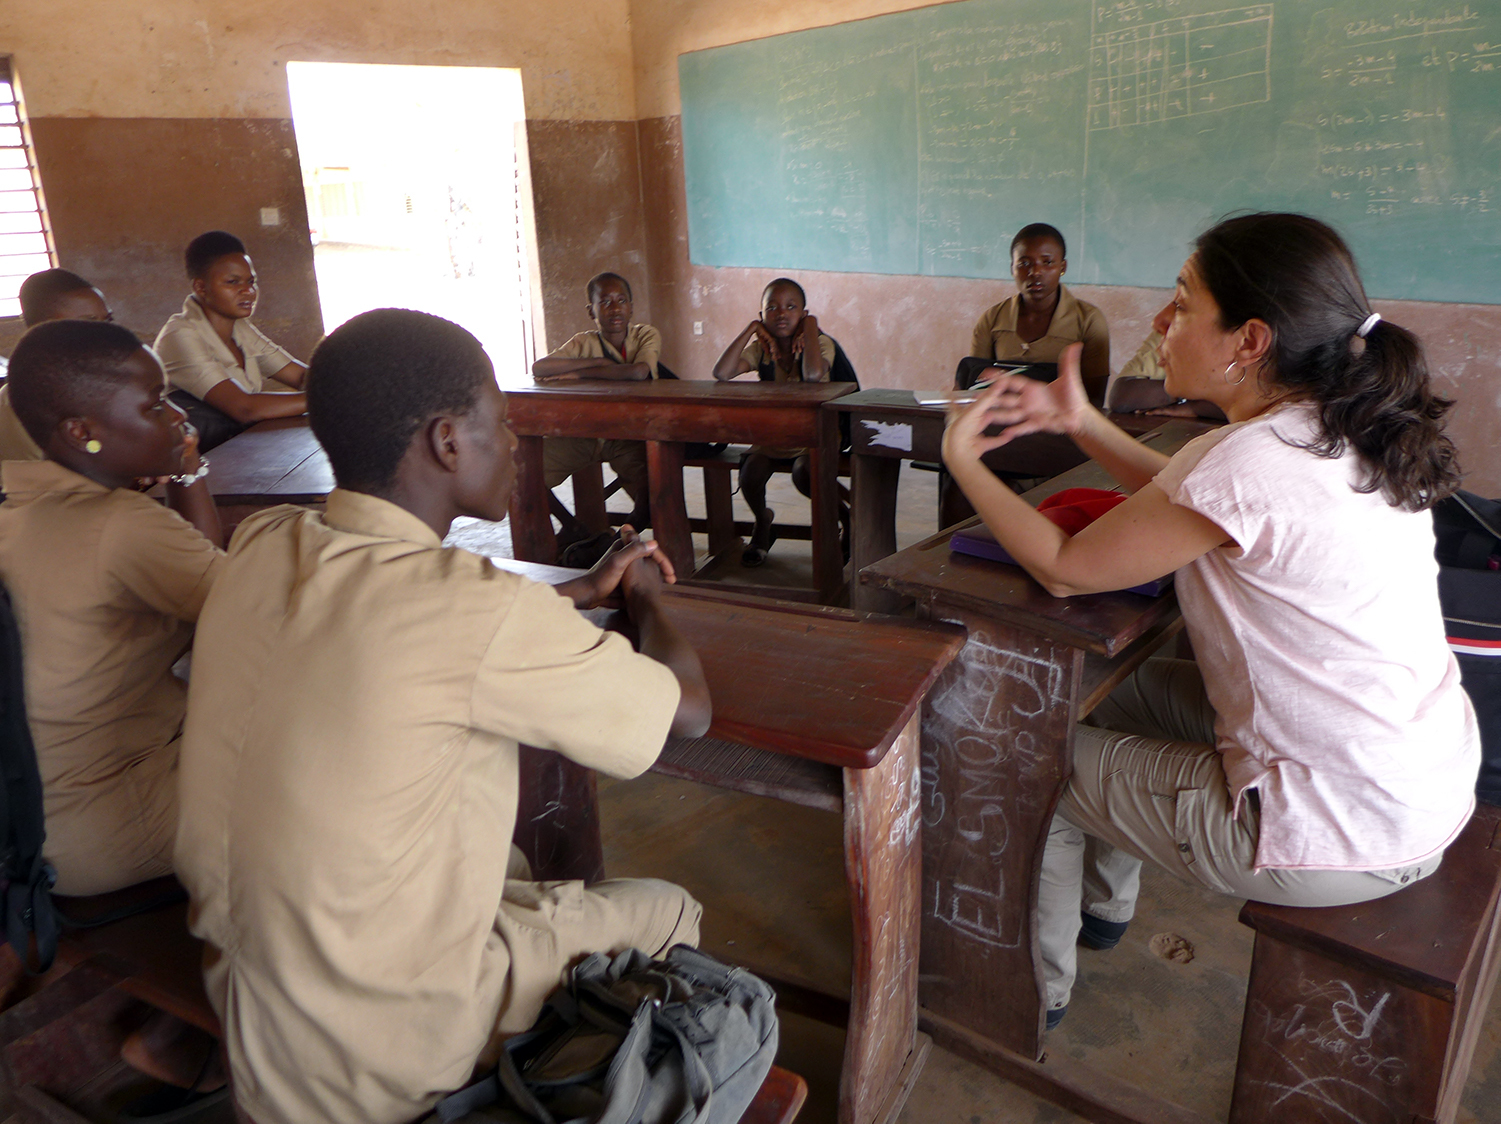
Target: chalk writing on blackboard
1158	71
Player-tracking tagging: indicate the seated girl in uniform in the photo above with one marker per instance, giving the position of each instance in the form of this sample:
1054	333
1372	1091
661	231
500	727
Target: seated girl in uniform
1321	751
106	584
1043	317
784	344
215	356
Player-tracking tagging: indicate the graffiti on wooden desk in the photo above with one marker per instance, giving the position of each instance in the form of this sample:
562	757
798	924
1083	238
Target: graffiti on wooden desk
984	717
1331	1018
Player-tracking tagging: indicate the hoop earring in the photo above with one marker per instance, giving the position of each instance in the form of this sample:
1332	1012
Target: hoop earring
1234	382
92	445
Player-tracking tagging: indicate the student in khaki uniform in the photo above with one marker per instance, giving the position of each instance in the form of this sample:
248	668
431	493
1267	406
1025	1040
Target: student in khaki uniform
106	585
617	350
349	781
1139	389
783	344
52	294
215	355
1044	317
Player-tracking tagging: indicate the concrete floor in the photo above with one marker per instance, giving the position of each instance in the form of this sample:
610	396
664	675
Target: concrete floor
770	876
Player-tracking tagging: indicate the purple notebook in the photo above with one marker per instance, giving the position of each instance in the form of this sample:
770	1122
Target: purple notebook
978	542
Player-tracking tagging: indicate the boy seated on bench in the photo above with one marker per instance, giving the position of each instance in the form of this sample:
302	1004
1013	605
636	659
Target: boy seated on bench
617	350
350	779
52	294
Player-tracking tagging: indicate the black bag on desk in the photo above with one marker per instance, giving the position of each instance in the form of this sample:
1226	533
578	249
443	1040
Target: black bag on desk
631	1040
972	369
214	426
1466	530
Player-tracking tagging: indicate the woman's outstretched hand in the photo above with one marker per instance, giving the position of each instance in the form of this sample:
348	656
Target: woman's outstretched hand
1023	406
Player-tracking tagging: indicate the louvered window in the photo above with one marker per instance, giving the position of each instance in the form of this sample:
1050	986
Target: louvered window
25	241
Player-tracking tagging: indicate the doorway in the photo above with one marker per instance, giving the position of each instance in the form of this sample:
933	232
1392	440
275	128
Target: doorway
419	196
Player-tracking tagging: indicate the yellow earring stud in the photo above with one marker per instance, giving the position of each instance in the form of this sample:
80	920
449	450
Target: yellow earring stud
92	445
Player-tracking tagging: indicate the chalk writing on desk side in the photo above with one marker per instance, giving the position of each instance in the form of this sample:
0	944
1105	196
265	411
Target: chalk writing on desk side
982	715
1335	1019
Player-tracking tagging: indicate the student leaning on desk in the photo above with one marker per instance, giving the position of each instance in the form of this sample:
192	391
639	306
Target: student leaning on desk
1321	750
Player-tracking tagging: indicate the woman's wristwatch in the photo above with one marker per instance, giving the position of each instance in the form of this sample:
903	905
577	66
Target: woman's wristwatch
186	478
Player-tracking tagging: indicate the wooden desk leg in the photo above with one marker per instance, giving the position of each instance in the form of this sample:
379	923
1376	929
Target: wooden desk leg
719	499
823	472
873	482
669	511
557	817
532	538
589	499
997	747
883	860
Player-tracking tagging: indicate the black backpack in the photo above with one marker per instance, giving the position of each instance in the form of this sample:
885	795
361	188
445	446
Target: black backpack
26	878
1467	533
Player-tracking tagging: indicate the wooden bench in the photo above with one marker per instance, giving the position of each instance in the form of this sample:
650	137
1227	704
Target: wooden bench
1370	1012
60	1047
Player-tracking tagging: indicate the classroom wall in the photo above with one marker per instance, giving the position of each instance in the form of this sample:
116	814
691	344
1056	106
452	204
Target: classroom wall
909	332
158	120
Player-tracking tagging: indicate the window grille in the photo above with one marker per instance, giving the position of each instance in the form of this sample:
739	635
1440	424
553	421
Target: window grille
25	239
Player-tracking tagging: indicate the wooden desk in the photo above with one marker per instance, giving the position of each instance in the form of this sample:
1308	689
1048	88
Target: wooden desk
888	427
272	462
997	748
665	414
820	707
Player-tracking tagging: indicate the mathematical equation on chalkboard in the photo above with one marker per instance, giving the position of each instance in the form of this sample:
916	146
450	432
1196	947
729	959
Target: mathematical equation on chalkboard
917	142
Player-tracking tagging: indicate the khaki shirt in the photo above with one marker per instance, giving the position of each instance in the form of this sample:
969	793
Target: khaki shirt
197	360
1073	320
106	585
349	792
1144	365
755	353
643	344
15	443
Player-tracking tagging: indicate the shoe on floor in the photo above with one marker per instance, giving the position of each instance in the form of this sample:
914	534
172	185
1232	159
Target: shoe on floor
1099	935
1055	1016
584	554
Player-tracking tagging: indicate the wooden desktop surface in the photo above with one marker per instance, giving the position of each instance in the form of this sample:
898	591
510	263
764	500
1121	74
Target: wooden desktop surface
272	462
825	684
665	414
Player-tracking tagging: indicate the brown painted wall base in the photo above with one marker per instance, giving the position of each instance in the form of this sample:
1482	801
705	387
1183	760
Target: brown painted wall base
126	195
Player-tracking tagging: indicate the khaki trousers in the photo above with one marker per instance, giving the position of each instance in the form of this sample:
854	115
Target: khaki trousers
1150	785
550	926
563	456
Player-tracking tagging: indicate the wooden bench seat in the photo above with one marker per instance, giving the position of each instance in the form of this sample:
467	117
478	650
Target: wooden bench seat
60	1047
1370	1012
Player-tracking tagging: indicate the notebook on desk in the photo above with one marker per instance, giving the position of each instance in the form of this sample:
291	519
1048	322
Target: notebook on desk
1072	509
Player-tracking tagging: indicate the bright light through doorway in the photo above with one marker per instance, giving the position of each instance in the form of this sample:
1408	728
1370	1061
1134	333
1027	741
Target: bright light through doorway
416	193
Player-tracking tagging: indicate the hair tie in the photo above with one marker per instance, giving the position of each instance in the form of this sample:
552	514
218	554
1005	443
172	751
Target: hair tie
1370	322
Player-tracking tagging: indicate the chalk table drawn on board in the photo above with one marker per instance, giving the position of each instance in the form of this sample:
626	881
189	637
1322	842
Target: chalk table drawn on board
1171	68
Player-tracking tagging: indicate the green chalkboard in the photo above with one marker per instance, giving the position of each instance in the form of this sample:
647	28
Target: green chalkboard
918	142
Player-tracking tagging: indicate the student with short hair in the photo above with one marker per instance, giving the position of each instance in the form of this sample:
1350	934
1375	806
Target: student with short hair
1044	317
783	344
107	584
215	355
1139	388
616	350
350	777
52	294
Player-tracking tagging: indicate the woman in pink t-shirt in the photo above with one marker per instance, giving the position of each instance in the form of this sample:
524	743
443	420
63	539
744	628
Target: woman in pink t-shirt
1320	751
